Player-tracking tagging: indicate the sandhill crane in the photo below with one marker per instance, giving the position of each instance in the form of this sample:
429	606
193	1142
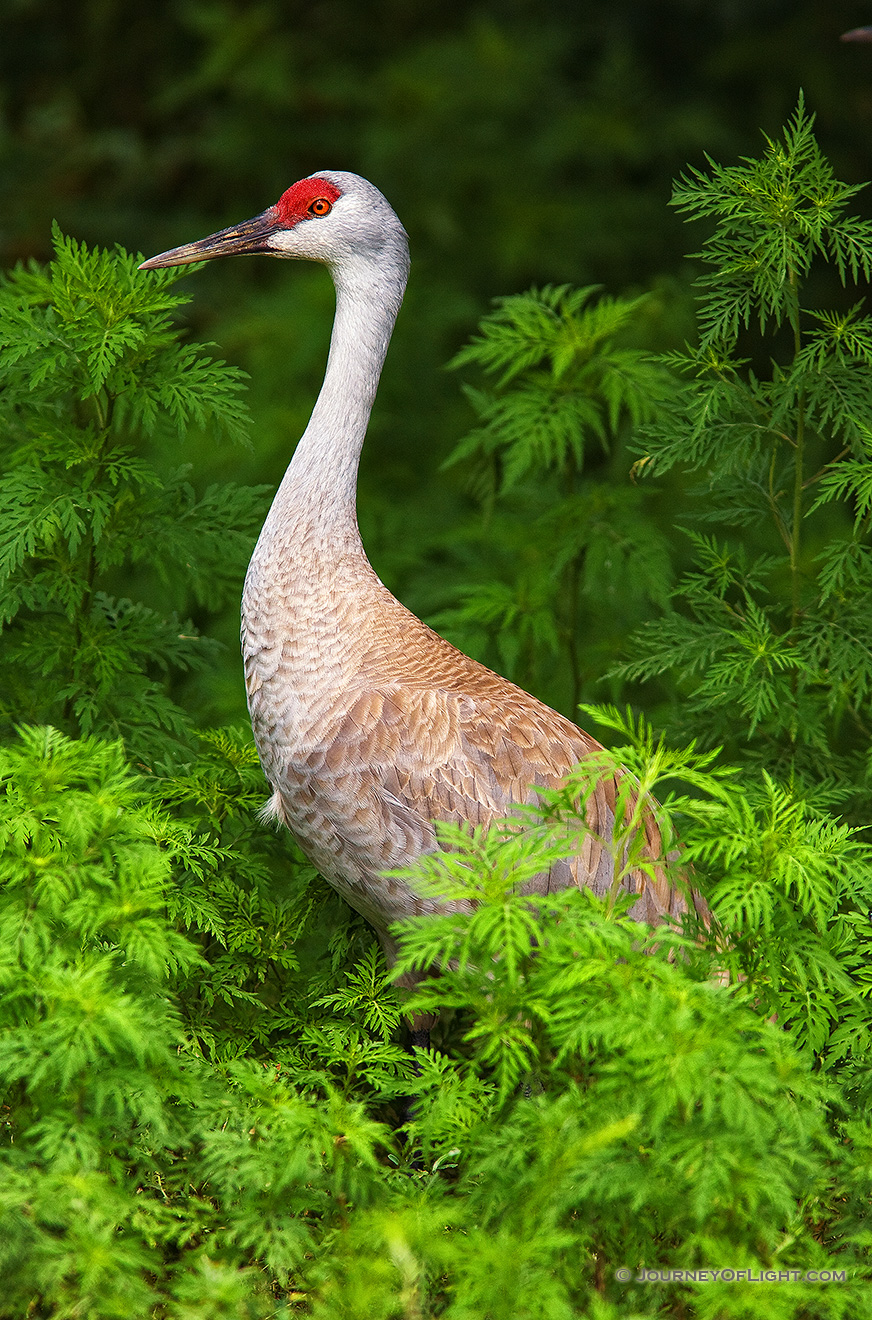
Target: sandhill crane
370	727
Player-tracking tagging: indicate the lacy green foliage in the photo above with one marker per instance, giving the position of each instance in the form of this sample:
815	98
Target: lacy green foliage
91	1041
89	366
635	1061
135	1171
562	382
791	888
275	940
565	390
775	415
611	1106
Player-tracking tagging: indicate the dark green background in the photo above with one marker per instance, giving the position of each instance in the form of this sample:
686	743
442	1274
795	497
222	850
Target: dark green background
520	143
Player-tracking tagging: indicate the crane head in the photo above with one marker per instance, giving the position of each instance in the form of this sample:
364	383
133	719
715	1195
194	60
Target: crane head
331	216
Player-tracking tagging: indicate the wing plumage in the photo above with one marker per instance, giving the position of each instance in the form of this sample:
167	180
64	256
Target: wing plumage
442	739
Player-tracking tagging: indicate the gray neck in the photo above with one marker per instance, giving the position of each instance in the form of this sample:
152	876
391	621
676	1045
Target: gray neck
319	490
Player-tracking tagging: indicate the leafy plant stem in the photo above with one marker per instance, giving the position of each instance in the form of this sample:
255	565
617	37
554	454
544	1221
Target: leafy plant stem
798	482
572	590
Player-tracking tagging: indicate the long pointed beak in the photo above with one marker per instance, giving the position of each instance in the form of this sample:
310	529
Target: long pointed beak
250	236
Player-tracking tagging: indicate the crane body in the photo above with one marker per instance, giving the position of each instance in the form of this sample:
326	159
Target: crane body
370	727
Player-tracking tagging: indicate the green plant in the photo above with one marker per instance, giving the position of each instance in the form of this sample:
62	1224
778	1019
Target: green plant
137	1173
611	1106
775	417
89	365
565	390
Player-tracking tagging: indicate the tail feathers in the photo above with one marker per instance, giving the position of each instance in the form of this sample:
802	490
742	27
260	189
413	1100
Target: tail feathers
273	811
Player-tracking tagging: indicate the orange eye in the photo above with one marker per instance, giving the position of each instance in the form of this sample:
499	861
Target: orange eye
320	206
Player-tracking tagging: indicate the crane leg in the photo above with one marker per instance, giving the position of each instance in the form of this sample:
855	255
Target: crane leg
419	1038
